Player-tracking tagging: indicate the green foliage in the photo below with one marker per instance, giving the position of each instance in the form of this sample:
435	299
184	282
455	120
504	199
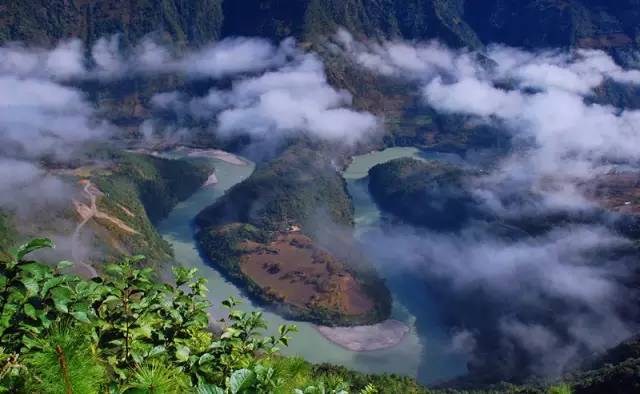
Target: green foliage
46	21
294	187
64	361
560	389
7	232
149	187
400	186
125	332
161	183
156	377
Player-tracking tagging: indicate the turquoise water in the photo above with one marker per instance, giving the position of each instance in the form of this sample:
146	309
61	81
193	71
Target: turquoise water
422	354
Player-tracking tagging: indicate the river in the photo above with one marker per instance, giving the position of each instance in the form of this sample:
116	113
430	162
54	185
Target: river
423	353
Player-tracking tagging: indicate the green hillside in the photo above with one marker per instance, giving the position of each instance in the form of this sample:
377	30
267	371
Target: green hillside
298	188
47	21
530	23
148	187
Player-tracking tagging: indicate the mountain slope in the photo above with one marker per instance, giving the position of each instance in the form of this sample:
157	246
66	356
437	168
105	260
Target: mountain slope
47	21
530	23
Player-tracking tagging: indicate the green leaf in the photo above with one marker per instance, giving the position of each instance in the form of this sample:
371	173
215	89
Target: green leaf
205	358
7	314
209	389
81	316
44	320
230	302
113	270
183	275
31	284
230	332
136	259
36	270
30	311
32	246
182	353
156	351
51	283
61	298
240	380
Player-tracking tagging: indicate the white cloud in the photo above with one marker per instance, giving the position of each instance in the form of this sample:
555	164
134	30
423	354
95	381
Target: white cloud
544	295
562	140
294	98
474	97
542	97
43	117
65	61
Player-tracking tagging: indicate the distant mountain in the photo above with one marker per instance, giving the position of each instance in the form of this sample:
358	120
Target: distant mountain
610	25
47	21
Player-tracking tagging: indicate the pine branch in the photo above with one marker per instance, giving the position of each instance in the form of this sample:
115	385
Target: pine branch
65	370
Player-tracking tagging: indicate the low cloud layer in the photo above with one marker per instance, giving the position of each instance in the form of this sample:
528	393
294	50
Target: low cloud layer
535	306
544	98
288	101
275	90
255	88
548	299
293	98
108	59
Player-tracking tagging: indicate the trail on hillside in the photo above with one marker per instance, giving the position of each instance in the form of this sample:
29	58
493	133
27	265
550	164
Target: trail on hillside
88	212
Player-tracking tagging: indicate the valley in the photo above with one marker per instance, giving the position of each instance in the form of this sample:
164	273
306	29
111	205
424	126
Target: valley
414	343
446	191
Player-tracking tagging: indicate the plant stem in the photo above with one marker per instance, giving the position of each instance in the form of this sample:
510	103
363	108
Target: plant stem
126	322
65	370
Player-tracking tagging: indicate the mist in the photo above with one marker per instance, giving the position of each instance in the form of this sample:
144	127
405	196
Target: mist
523	303
52	117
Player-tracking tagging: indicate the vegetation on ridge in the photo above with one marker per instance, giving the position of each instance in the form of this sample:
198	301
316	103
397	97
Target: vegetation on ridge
286	199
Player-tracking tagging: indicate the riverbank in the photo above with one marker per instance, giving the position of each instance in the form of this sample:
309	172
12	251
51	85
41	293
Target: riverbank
182	151
421	352
216	154
379	336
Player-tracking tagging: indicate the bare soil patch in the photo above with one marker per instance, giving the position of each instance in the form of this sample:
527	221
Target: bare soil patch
295	271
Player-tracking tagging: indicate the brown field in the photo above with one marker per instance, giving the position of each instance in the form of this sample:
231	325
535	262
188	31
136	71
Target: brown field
619	192
293	270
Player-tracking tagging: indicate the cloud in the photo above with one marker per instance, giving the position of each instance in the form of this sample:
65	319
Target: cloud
109	60
25	188
545	98
293	98
65	61
559	294
257	88
236	55
276	90
543	296
41	117
474	96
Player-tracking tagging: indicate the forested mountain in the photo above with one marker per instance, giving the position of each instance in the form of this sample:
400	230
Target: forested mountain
531	23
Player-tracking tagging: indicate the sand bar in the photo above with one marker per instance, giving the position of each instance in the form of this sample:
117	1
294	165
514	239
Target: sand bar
379	336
